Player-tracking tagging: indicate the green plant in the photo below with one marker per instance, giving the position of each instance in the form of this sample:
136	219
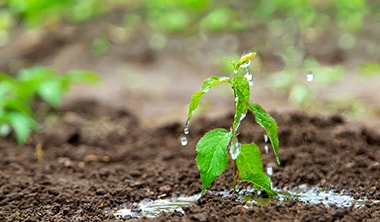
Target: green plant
17	95
212	148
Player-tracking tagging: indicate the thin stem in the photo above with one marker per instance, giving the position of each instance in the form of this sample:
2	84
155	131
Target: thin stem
235	175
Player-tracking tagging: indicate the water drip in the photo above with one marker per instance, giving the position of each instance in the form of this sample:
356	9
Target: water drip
309	76
184	141
246	64
248	75
186	130
265	138
269	170
235	148
243	115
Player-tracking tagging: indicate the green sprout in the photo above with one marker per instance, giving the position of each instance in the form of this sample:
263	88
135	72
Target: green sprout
17	96
213	148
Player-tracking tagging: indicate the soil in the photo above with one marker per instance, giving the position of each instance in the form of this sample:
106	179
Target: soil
97	157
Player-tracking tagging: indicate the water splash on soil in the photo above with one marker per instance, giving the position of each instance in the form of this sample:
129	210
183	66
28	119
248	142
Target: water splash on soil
303	193
152	208
306	195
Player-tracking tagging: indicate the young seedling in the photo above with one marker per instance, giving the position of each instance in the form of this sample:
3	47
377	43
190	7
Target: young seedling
214	146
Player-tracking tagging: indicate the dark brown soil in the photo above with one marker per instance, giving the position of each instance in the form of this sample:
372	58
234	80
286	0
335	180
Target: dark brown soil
98	157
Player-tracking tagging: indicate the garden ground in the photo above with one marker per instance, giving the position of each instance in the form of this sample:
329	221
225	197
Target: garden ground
117	143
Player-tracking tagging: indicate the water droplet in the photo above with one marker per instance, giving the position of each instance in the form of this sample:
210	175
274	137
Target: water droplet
265	138
235	71
235	150
270	170
245	64
309	76
243	115
249	77
186	130
184	141
266	147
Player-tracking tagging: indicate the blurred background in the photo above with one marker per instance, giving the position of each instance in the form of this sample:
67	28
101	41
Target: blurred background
321	56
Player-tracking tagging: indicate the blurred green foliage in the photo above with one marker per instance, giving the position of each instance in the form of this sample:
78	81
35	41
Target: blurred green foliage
36	12
18	95
288	25
173	15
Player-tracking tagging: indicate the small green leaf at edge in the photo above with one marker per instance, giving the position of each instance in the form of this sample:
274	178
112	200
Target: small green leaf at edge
22	125
269	124
250	165
206	86
212	158
241	89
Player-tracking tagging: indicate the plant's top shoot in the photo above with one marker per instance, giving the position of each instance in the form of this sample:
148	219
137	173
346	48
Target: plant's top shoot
214	146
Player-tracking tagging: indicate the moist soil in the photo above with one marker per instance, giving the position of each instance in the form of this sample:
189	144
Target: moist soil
97	157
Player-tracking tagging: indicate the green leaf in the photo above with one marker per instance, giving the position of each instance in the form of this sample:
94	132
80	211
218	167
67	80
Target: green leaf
242	93
269	124
260	180
51	91
249	160
244	59
82	76
197	96
30	80
212	159
36	73
11	104
22	125
250	167
6	78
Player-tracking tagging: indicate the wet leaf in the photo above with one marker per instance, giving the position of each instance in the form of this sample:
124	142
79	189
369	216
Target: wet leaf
241	90
249	160
269	124
244	59
197	96
212	159
259	180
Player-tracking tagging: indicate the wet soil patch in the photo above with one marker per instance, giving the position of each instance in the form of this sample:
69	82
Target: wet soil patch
97	158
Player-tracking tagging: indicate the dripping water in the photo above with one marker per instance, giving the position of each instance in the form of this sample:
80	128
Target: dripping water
309	76
235	148
266	148
184	141
186	131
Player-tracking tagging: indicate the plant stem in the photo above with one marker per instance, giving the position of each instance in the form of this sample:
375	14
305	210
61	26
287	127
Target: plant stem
235	175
